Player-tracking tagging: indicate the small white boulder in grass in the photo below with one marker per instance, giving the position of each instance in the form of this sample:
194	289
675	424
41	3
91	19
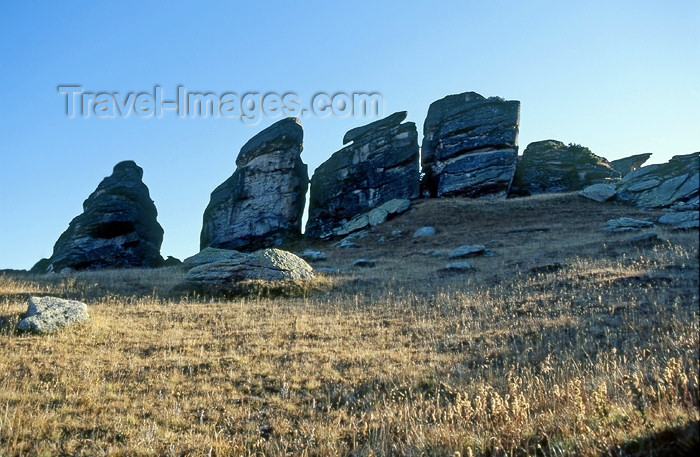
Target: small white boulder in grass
48	314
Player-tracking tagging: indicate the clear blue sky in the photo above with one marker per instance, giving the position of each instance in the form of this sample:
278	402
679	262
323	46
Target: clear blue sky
621	77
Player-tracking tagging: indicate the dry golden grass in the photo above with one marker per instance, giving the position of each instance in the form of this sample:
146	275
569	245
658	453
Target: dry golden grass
594	352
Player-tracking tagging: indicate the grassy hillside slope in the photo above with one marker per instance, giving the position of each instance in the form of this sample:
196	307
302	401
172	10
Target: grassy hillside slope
568	341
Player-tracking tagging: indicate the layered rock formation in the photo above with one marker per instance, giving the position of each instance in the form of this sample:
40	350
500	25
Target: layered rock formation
663	184
261	204
470	146
381	164
627	165
118	226
551	166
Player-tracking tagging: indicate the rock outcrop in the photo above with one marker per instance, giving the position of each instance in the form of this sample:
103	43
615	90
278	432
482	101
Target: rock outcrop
261	204
118	226
663	185
381	164
627	165
551	166
48	314
470	146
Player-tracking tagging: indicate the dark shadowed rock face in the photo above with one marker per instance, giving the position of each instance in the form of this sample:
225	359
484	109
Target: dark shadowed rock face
42	266
627	165
118	226
261	204
470	146
380	165
551	166
663	184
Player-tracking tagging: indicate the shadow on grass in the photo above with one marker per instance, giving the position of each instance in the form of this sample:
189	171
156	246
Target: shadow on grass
681	441
8	323
255	289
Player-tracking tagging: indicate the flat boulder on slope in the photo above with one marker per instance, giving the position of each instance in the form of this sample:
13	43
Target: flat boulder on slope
375	217
599	192
118	226
680	219
48	314
264	265
381	164
424	232
467	250
262	203
470	146
626	224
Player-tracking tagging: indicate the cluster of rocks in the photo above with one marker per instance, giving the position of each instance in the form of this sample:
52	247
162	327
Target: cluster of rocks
679	220
117	228
673	184
662	185
469	149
